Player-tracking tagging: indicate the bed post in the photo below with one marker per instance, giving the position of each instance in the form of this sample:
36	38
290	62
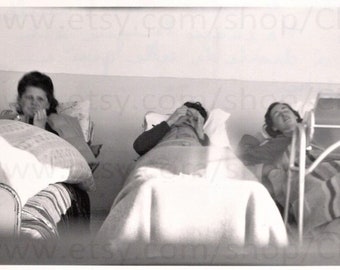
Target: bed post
10	211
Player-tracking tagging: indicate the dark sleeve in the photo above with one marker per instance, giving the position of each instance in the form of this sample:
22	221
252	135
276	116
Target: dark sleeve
205	141
251	152
148	139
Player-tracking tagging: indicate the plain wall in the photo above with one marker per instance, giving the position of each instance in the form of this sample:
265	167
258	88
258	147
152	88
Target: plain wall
261	44
118	105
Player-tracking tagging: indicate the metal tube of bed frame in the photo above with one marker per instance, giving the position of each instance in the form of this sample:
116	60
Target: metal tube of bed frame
299	133
289	178
302	173
324	154
17	206
326	126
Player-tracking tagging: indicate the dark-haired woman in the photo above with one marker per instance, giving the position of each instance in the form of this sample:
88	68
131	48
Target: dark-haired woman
35	101
186	122
36	105
281	120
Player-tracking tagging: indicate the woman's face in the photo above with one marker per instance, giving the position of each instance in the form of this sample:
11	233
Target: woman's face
33	100
283	118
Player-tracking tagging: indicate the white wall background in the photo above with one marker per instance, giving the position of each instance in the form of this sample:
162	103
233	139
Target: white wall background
265	44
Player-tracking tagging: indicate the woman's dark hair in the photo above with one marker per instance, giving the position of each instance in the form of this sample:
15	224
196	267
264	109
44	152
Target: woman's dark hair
42	81
269	121
197	106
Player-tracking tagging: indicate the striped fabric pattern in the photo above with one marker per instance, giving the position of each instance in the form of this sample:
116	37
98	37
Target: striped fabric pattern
322	192
41	213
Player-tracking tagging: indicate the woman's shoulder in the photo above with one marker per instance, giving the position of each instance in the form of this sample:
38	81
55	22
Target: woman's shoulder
57	120
249	140
278	143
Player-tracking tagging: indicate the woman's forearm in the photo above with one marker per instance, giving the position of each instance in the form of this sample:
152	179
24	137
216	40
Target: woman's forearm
9	114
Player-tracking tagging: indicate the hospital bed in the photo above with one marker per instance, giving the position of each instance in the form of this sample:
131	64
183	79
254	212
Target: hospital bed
44	180
180	197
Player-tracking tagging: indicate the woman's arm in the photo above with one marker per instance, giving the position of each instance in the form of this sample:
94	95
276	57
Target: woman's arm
148	139
251	152
13	115
8	114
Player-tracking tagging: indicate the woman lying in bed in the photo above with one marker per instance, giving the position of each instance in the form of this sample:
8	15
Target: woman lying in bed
321	187
280	120
35	102
185	190
179	145
187	121
36	105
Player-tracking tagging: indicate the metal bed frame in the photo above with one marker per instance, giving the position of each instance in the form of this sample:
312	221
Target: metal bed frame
301	141
10	210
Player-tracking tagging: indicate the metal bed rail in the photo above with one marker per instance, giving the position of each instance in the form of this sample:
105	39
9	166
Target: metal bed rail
17	208
303	133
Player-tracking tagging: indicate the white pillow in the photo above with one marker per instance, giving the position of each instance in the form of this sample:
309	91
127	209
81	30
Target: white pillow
215	126
81	111
152	119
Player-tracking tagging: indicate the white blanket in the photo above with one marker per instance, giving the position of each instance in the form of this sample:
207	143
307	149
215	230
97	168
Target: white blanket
162	204
31	158
23	172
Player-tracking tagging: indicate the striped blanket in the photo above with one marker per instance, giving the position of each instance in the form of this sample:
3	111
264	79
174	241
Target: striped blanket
322	190
50	211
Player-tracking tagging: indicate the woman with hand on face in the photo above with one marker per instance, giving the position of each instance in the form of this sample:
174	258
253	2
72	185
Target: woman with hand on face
36	105
35	101
185	123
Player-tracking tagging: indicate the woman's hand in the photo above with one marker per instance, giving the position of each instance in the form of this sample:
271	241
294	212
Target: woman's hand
200	124
13	115
180	112
40	118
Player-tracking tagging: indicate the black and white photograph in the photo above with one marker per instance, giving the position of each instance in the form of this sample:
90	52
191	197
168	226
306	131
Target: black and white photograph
204	134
